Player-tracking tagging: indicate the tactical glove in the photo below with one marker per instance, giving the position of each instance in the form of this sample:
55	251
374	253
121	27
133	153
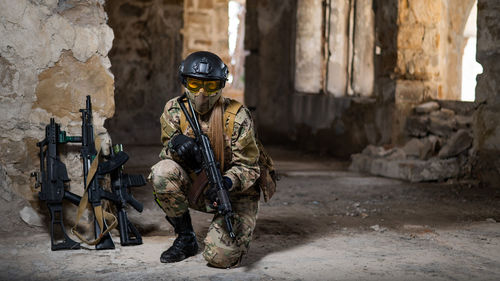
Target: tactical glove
211	193
187	150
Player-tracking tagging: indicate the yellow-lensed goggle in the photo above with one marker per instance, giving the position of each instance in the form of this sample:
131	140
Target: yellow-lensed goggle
211	86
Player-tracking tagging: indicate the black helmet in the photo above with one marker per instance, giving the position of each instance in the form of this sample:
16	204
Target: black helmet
203	65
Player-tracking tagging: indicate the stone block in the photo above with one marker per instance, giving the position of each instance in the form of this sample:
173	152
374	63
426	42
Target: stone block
205	4
464	122
417	126
422	148
413	92
431	39
375	151
442	127
427	107
427	12
410	170
410	37
428	170
458	143
381	152
459	107
444	113
419	66
396	154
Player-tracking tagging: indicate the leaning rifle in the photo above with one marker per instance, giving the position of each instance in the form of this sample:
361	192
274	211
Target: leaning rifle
52	179
95	192
209	165
120	185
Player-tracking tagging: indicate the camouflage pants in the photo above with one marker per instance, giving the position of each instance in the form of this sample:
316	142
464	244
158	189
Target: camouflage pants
171	184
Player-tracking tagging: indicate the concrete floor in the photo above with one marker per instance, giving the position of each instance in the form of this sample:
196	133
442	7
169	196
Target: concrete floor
324	223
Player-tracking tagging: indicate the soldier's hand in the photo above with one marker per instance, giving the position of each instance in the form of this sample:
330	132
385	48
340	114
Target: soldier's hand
211	193
187	150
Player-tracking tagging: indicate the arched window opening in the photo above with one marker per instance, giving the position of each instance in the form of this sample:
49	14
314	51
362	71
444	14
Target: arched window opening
470	67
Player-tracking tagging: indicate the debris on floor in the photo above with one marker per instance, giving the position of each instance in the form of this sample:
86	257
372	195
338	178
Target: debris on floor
439	146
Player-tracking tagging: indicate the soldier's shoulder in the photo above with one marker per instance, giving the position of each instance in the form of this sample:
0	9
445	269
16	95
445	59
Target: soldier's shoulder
172	104
243	116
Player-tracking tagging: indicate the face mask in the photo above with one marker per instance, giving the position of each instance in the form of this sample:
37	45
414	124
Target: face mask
203	103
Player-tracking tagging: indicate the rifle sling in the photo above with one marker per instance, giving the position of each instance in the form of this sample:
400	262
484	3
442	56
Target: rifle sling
100	214
197	187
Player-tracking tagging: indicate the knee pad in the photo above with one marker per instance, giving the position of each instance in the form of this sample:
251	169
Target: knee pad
222	258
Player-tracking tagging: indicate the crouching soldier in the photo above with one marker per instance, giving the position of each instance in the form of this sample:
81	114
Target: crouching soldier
176	180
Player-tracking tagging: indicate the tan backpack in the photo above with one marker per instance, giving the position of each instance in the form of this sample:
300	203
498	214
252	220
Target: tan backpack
268	177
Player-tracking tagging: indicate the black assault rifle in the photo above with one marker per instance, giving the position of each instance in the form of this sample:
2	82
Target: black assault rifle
95	192
209	165
53	178
120	183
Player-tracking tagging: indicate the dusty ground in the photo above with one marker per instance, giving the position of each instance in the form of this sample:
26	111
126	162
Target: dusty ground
325	223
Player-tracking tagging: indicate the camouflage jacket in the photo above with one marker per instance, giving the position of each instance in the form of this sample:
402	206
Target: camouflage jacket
241	151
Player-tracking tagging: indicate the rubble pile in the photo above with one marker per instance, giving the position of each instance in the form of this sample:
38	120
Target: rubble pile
439	146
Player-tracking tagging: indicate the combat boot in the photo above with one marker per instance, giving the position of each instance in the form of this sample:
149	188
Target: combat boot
185	244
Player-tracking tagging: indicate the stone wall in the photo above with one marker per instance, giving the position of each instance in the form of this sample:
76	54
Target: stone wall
330	123
487	117
430	45
145	57
205	27
52	54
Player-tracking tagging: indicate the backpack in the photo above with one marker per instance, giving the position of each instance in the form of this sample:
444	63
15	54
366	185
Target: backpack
267	179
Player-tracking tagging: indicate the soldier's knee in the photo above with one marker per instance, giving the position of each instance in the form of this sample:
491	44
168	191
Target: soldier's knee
222	257
167	176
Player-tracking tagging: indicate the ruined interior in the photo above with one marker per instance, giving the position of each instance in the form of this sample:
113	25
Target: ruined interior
382	117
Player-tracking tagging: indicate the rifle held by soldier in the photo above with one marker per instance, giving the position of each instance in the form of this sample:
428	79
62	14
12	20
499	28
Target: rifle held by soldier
210	166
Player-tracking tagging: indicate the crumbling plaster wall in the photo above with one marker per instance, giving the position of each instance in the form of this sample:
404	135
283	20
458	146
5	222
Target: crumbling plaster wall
52	54
145	57
487	117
